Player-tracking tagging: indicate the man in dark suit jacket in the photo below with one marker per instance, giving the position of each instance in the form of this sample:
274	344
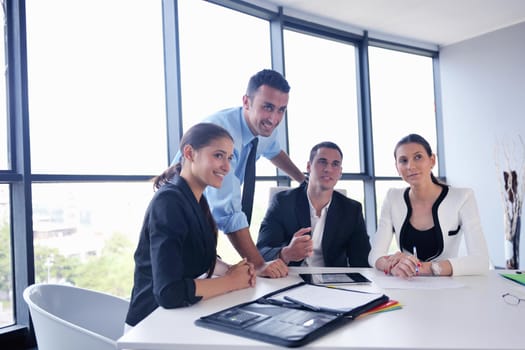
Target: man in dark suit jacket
313	224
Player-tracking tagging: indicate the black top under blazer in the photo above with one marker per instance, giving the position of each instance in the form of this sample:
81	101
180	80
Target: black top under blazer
345	241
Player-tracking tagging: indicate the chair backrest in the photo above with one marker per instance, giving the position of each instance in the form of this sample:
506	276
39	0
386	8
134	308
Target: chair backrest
66	317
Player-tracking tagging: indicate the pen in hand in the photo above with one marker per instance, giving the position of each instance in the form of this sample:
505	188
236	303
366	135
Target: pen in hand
415	255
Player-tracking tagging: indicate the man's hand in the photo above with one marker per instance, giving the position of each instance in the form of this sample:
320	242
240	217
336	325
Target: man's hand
300	247
273	269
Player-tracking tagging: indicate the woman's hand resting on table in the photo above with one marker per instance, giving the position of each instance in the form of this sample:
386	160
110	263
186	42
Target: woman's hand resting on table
401	265
242	275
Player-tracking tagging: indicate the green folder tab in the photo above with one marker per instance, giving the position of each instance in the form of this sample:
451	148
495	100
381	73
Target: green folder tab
516	277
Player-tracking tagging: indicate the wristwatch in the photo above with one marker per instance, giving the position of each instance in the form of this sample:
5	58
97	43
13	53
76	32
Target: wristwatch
436	269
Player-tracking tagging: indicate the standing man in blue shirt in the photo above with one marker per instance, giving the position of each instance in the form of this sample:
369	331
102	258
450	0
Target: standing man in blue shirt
263	108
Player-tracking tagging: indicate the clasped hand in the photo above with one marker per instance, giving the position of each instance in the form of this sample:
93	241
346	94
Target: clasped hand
402	265
243	273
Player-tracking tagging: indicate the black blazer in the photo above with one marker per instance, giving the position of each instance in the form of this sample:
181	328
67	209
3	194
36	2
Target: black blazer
176	245
345	241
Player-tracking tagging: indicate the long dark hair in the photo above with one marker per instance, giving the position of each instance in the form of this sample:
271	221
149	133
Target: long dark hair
198	136
420	140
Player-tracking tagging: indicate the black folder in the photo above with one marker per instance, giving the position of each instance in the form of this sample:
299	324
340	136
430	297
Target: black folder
293	316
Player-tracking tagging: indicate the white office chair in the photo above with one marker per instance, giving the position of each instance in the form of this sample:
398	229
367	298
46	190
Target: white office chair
66	317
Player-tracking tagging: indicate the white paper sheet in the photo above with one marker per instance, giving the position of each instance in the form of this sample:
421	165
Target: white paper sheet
419	282
327	297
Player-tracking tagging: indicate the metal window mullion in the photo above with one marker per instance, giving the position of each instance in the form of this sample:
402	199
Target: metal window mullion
172	85
21	209
439	118
277	51
367	149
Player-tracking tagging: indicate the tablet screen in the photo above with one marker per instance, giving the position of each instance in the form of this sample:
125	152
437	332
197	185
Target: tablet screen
335	278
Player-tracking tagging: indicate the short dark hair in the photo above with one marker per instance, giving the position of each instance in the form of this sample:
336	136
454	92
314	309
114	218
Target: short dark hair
268	77
324	144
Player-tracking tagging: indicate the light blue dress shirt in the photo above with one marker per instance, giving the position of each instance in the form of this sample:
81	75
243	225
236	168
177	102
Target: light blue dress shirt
225	202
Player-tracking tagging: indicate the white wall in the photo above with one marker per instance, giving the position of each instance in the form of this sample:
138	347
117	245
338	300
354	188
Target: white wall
483	93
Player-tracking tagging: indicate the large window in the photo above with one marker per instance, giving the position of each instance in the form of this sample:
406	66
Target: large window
402	95
4	164
6	273
402	103
96	107
323	97
6	282
217	57
85	233
216	64
98	119
96	89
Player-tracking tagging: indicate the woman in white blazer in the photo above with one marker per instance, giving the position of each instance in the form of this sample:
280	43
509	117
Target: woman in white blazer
429	220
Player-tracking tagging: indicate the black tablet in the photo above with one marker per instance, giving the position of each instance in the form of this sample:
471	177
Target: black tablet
335	278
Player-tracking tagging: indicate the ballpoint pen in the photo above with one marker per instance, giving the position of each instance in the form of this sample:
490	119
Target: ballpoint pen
415	255
305	305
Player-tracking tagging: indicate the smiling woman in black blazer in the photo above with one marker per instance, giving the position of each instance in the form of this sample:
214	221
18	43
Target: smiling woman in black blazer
176	254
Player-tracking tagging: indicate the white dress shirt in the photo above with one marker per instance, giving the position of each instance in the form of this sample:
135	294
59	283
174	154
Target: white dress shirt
317	224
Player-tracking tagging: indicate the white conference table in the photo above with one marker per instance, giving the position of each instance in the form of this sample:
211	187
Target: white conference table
472	316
